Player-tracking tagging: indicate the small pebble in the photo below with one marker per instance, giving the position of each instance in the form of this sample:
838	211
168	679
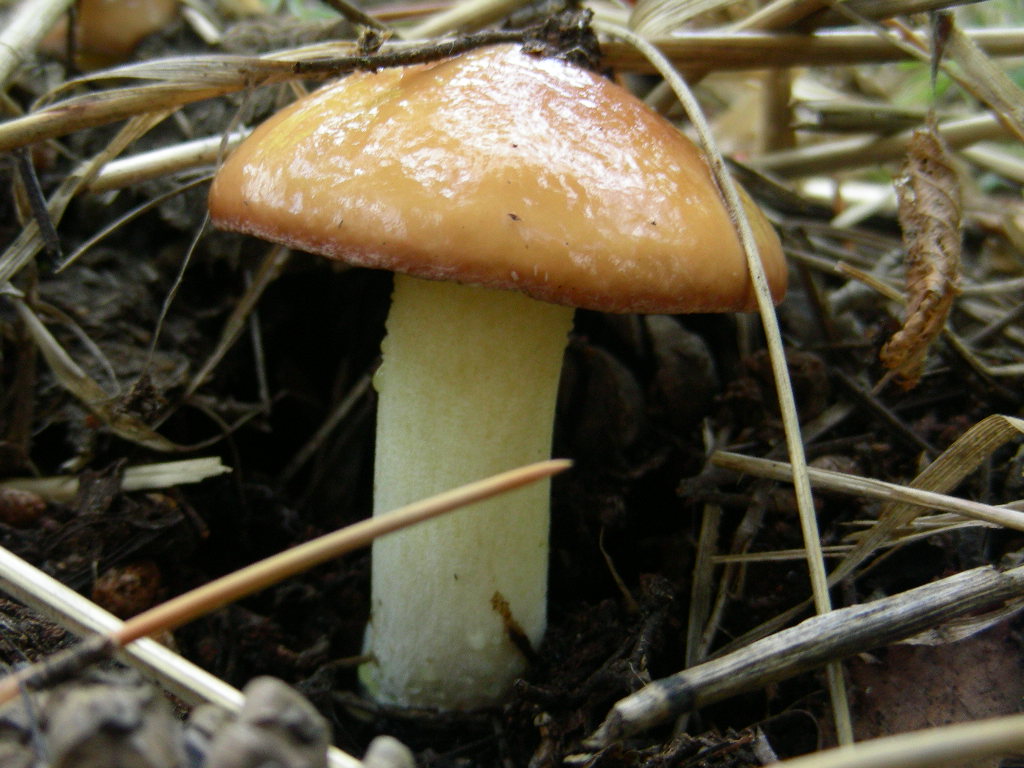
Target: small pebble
388	752
111	719
276	727
20	509
129	589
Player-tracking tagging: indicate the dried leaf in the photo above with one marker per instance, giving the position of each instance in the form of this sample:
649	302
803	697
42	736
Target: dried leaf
928	195
907	688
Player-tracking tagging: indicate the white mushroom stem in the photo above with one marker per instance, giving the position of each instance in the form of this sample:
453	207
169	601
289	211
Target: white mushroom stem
467	388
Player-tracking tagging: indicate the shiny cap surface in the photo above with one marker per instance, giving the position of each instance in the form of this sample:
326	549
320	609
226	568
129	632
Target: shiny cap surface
500	169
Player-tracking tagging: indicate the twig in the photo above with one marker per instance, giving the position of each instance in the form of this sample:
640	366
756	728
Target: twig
270	268
273	569
357	15
84	388
199	78
463	15
839	550
844	154
126	218
970	451
691	51
37	202
873	489
869	400
28	243
997	159
881	9
773	338
949	745
144	166
780	14
23	32
406	56
139	478
327	426
69	609
702	591
816	641
218	593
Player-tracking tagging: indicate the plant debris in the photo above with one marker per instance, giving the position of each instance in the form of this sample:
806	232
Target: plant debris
159	354
929	213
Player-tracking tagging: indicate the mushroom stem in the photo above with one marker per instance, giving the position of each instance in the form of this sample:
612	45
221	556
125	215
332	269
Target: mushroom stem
467	388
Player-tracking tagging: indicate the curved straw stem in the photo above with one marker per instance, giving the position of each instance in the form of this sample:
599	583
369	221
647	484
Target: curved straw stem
773	338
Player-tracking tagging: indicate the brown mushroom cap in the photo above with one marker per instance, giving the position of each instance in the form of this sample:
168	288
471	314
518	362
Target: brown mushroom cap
107	31
501	169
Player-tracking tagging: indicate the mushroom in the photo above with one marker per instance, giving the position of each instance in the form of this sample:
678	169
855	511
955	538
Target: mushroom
504	189
108	31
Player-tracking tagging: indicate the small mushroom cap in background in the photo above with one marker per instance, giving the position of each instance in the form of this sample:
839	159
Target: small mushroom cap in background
108	31
501	169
